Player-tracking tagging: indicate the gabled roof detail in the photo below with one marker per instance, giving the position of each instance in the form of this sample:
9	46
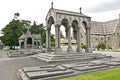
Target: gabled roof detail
104	28
28	34
65	12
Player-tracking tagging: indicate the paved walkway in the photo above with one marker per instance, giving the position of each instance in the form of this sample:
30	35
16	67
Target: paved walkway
9	66
113	54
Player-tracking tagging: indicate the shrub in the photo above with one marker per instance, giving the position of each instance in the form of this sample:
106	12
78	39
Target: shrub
83	46
101	46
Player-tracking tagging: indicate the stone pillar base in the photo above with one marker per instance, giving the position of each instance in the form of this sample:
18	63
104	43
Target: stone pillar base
79	50
48	50
58	51
69	50
89	50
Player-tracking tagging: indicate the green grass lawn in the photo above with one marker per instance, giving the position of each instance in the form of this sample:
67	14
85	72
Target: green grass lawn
110	74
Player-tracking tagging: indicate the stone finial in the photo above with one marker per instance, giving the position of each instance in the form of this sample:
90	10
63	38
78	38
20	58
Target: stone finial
52	5
119	16
80	10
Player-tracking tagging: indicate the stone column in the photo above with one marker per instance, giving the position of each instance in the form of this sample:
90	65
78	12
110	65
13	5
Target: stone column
79	49
36	44
75	34
20	44
48	39
25	44
88	38
69	49
57	39
40	44
33	44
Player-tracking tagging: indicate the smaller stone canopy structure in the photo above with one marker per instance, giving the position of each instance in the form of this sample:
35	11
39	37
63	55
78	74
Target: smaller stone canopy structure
30	41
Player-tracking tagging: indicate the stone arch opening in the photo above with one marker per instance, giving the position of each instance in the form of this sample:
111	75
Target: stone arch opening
50	20
64	34
65	23
50	23
22	45
74	27
85	24
29	42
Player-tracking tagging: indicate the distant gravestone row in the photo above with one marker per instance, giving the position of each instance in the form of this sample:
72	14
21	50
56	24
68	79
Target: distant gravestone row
24	52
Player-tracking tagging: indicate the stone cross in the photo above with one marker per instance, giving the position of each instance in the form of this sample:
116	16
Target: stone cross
80	10
52	5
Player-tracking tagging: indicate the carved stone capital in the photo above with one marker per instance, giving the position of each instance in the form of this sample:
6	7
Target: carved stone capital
48	28
57	25
88	26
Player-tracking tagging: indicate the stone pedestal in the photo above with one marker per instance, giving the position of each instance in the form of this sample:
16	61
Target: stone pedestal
69	49
79	50
48	49
58	51
89	50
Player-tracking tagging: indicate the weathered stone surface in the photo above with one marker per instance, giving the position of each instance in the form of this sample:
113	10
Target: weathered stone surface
85	68
52	57
45	74
39	68
42	72
113	63
51	72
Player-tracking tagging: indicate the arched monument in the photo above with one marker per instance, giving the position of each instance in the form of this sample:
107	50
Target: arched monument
69	20
30	41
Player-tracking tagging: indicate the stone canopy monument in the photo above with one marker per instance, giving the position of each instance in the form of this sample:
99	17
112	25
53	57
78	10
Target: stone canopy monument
69	20
30	41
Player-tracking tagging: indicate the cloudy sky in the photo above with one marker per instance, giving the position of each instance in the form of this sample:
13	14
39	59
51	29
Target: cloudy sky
99	10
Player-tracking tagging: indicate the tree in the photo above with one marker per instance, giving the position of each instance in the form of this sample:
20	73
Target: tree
40	29
12	32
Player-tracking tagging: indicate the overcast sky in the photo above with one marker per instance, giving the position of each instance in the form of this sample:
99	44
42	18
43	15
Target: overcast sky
99	10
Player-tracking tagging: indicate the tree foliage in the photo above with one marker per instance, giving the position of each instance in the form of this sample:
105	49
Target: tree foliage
14	29
40	29
83	46
12	32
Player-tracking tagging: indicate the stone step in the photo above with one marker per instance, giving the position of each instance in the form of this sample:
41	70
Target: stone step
44	74
38	68
113	63
66	57
86	68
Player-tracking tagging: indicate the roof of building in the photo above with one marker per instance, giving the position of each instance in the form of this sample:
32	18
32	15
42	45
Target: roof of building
103	28
69	12
28	34
66	12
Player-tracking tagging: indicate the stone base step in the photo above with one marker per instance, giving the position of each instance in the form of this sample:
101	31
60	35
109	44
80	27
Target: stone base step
66	57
